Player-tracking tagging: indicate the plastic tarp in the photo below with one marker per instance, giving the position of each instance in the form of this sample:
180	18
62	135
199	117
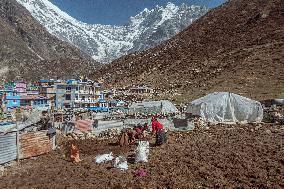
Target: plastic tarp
84	126
162	106
224	107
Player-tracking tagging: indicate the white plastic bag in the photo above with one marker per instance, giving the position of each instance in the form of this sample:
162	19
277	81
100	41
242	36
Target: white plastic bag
121	163
142	152
104	158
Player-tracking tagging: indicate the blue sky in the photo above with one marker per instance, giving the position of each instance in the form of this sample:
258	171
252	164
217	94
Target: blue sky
117	12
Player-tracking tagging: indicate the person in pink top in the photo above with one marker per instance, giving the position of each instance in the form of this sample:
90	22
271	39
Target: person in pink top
140	131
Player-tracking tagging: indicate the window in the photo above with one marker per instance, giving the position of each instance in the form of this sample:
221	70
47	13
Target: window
68	88
25	103
77	88
68	97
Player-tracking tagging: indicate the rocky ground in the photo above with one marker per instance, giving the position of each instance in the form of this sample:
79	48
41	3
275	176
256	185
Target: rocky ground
248	156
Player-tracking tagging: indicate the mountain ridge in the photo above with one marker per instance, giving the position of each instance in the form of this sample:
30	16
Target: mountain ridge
104	42
236	47
28	51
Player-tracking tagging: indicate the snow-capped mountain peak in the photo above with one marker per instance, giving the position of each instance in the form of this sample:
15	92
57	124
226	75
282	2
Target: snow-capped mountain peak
104	42
171	6
35	6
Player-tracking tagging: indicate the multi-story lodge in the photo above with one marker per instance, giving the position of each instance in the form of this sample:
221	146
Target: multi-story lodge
72	93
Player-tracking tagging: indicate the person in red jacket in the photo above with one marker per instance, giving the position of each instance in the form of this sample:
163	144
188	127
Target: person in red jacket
158	130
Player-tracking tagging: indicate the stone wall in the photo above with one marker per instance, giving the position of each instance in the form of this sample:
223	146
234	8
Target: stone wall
34	144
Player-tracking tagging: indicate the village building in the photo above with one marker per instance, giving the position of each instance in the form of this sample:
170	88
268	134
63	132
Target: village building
72	93
11	92
11	100
34	101
87	93
47	87
32	90
144	89
64	95
20	88
21	95
56	94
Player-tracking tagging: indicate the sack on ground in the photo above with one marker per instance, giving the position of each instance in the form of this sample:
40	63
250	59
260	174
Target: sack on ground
104	158
142	152
121	163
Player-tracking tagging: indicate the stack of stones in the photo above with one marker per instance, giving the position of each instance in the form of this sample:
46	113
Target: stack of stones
110	133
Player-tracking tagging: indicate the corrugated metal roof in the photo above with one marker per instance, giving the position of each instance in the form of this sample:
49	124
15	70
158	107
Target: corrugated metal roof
8	147
44	80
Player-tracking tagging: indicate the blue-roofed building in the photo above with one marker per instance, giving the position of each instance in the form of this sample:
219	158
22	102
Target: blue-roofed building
12	100
47	87
10	96
35	101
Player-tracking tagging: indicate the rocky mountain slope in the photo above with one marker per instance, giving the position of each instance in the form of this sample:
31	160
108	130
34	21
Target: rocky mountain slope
236	47
104	42
29	51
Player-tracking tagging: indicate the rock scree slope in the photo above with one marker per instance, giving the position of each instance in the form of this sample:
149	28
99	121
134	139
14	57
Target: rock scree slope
28	51
235	47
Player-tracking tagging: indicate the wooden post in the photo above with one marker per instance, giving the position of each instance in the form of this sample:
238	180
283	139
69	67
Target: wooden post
53	120
18	117
18	142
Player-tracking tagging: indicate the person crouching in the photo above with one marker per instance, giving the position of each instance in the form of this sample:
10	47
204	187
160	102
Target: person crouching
158	130
75	155
141	131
